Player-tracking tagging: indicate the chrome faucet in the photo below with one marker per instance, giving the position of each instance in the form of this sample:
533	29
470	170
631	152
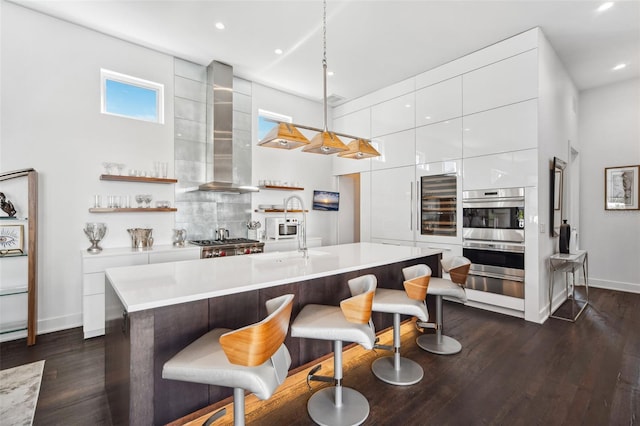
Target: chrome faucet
302	227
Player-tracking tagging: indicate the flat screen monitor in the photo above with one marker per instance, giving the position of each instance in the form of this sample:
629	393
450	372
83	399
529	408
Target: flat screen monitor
326	200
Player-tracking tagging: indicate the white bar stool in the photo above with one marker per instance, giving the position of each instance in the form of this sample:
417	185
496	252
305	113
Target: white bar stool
350	322
252	358
397	370
458	269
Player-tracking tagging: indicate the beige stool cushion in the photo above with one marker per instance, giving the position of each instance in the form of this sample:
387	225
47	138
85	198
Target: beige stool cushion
446	288
329	323
396	301
205	362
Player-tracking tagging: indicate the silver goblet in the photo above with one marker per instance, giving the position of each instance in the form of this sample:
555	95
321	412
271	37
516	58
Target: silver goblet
95	232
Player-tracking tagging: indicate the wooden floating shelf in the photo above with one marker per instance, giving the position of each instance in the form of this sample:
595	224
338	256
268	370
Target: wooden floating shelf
132	210
282	188
280	211
124	178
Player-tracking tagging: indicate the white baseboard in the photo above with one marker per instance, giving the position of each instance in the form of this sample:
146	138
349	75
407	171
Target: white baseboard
48	325
614	285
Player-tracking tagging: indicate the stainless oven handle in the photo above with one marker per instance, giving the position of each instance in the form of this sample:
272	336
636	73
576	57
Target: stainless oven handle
493	246
440	248
497	276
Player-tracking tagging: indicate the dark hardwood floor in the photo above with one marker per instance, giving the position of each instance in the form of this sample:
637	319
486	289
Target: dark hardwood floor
510	372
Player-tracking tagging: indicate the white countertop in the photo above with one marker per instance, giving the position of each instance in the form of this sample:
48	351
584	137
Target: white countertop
152	286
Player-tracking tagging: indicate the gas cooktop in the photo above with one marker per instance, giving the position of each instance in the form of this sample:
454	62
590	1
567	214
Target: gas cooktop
227	242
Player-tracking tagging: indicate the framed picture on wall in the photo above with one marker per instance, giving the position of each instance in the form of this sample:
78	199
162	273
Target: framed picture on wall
11	239
621	188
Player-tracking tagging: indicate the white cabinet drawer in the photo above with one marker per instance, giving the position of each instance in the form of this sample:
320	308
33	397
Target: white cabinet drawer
510	128
439	102
93	315
439	142
448	251
100	263
393	203
393	116
93	283
511	80
187	253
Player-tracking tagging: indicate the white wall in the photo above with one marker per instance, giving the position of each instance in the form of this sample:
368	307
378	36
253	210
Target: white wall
312	171
51	121
609	136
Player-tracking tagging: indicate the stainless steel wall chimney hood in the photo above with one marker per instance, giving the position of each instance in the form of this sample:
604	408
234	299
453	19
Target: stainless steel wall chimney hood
220	79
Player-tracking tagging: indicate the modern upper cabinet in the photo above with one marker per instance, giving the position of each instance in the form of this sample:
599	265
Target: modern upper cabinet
357	123
396	150
394	115
439	142
505	170
510	128
439	102
393	213
511	80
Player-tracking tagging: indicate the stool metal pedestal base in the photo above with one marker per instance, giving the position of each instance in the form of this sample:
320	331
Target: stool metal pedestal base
441	345
409	372
323	410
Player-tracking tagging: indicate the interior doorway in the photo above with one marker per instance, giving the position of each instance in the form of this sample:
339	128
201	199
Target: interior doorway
349	213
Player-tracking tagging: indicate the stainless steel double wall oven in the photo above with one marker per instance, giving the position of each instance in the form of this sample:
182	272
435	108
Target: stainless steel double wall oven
493	239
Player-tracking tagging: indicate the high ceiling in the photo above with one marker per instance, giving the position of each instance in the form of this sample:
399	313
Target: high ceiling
370	44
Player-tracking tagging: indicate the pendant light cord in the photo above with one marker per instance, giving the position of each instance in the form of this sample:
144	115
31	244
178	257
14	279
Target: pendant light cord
324	60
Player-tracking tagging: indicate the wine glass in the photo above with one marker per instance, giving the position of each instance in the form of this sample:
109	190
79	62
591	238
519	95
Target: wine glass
147	200
140	200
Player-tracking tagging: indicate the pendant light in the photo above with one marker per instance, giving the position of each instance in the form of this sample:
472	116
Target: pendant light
325	142
284	136
287	136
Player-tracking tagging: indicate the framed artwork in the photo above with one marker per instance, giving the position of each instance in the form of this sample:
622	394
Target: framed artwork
621	188
11	239
326	200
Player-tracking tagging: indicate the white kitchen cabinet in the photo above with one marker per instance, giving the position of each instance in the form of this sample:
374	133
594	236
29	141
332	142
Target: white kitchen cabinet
393	116
506	170
393	211
439	102
93	280
439	142
355	124
509	128
396	149
505	82
365	207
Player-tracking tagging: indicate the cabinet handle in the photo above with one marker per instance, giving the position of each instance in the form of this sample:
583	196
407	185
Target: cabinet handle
411	206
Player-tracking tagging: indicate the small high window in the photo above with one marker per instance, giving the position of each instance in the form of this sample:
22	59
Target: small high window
264	123
131	97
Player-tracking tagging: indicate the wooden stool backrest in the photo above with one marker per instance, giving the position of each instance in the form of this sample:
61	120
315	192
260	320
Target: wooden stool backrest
458	269
416	281
357	308
254	344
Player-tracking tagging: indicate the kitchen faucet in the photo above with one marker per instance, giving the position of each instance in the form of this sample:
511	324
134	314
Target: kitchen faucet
302	227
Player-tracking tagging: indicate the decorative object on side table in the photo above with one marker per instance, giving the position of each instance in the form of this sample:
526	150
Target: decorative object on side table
11	239
565	237
7	205
95	232
621	188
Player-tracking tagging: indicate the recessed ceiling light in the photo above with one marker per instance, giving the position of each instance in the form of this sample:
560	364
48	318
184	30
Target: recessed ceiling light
330	73
407	106
605	6
619	67
278	51
220	25
428	117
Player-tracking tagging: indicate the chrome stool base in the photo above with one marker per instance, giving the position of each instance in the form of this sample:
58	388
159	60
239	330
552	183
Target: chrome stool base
409	372
441	345
323	410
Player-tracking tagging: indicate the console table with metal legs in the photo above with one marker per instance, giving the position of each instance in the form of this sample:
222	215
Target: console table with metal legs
569	263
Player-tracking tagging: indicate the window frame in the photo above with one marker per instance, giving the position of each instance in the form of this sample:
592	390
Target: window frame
271	115
158	88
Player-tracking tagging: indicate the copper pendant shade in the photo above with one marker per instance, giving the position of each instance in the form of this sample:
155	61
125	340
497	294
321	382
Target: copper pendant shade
284	136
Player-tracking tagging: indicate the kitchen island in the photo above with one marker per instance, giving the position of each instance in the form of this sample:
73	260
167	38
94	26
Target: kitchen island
153	311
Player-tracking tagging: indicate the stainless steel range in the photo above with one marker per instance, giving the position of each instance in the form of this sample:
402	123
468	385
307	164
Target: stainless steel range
228	247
